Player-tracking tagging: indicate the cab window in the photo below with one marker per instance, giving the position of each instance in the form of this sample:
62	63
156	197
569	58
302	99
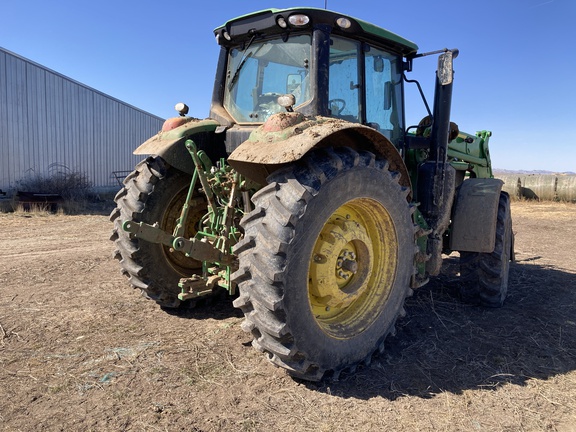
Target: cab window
365	86
261	72
384	93
343	87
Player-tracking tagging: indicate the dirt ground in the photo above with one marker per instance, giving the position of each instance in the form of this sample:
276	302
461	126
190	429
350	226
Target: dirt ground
80	350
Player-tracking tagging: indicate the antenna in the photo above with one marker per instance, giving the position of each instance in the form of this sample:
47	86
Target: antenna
325	4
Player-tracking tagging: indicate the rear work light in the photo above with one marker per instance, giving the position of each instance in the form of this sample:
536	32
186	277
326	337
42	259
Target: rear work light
281	22
344	23
299	20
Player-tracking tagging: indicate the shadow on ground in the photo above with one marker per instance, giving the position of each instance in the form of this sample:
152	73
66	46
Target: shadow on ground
444	345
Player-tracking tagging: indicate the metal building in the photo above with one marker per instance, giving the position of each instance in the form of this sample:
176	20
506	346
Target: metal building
48	120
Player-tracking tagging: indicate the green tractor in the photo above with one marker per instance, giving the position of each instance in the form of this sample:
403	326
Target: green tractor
306	196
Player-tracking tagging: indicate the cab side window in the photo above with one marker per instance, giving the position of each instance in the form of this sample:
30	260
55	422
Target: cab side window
384	92
374	98
343	87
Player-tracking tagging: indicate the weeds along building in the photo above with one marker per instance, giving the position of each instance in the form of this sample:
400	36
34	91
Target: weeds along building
50	124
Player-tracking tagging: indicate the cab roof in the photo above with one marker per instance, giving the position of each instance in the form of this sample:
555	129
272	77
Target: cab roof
266	22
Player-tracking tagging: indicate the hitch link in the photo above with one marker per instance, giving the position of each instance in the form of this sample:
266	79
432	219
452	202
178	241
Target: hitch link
201	249
150	233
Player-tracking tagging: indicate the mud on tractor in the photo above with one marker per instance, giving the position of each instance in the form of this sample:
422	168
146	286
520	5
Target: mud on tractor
306	197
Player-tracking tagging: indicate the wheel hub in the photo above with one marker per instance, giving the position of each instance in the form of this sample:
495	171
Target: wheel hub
346	265
336	275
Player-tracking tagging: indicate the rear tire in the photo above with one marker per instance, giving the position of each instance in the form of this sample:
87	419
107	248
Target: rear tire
484	276
326	262
154	192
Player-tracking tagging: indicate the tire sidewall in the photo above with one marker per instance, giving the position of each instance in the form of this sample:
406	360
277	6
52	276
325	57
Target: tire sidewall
149	194
164	192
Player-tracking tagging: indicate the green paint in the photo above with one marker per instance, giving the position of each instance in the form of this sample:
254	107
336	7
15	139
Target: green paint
470	152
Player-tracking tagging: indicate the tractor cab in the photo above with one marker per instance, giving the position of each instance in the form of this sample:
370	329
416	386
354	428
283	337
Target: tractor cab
328	64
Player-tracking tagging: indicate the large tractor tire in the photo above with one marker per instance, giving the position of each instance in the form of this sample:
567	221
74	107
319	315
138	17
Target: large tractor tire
326	262
484	276
155	192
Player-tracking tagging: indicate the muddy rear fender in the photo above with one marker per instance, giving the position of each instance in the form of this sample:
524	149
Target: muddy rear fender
169	142
287	137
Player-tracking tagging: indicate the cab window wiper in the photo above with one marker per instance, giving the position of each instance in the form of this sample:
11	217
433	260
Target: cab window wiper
243	61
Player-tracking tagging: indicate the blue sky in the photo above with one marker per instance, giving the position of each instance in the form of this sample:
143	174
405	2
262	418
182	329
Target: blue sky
515	74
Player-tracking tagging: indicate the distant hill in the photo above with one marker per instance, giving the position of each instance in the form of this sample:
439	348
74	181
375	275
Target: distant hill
498	171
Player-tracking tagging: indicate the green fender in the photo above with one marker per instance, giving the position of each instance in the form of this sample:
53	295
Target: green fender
286	137
169	142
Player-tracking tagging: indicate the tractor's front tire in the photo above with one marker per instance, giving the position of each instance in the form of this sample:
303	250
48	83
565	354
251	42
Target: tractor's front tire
154	193
484	276
326	262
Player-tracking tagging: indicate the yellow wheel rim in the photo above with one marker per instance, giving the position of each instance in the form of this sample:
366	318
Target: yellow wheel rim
352	268
178	261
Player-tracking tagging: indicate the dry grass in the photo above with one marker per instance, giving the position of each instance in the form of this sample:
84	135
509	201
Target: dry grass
71	190
60	180
79	350
92	205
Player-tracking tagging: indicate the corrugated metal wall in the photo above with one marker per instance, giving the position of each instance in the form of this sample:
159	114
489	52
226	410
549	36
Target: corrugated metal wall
48	120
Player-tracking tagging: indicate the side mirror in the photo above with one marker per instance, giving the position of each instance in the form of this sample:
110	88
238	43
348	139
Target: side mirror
445	72
292	82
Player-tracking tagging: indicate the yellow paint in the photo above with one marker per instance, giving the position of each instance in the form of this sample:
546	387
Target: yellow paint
352	268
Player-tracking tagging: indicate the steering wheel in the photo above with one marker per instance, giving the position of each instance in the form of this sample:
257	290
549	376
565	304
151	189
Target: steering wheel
335	104
268	104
